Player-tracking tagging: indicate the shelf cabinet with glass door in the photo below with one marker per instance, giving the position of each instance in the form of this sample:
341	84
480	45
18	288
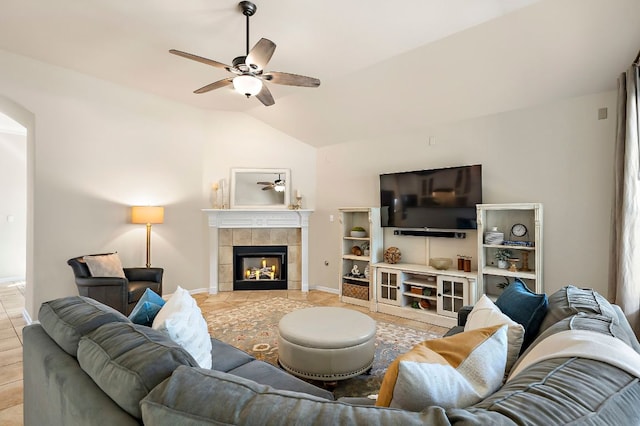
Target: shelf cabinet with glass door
514	232
361	245
423	293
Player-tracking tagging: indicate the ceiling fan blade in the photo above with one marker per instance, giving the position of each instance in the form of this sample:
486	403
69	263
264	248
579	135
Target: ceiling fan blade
259	56
200	59
265	96
266	188
216	85
290	79
264	183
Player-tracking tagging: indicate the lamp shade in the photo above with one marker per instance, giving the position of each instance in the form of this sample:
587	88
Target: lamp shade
247	85
147	214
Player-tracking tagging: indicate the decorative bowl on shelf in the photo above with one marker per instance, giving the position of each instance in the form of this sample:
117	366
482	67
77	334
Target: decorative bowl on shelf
441	263
493	236
359	234
424	304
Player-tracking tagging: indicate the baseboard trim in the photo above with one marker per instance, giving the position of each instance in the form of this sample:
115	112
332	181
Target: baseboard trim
27	317
325	289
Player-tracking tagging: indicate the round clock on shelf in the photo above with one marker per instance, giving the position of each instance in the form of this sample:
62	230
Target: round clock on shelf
519	230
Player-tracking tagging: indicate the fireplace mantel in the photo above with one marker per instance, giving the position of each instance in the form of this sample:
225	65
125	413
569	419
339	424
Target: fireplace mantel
256	218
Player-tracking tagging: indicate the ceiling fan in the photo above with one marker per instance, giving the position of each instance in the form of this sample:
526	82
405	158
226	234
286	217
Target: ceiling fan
249	69
277	185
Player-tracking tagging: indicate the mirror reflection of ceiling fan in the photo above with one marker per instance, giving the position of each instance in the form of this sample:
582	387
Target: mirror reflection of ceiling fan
277	185
249	73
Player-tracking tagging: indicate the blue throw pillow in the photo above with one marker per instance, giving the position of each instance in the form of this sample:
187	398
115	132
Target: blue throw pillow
147	308
524	307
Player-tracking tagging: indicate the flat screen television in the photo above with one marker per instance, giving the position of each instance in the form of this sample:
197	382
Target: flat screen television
433	199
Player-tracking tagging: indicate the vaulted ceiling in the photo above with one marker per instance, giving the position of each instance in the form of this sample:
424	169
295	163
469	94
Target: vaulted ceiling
384	65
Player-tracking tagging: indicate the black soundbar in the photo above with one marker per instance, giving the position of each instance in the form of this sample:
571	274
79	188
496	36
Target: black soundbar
438	234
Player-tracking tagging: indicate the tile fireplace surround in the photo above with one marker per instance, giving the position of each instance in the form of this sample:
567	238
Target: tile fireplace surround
245	227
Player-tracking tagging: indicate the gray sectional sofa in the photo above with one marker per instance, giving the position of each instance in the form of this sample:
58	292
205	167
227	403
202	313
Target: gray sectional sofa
86	364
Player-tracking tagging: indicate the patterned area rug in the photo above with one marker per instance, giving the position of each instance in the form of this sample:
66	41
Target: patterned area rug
254	329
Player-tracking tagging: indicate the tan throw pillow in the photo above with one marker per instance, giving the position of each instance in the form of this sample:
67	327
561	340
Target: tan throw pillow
105	265
451	372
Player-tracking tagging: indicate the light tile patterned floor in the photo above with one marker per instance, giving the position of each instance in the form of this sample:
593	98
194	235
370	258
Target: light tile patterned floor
12	322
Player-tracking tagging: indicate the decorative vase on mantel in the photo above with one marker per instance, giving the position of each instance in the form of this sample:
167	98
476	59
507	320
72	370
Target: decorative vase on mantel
503	264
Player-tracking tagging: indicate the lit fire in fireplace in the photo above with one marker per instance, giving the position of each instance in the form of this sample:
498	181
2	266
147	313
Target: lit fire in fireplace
263	272
260	267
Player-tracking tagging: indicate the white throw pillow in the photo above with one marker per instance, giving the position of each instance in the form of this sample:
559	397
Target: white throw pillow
485	314
181	319
105	265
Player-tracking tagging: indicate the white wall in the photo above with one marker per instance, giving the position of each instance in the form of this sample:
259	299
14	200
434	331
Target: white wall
13	204
558	154
100	148
242	141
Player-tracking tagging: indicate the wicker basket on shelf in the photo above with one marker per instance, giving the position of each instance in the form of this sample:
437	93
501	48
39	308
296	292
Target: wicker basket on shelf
355	291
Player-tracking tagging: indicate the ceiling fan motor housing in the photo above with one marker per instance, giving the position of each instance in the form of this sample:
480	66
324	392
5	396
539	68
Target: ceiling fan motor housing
240	63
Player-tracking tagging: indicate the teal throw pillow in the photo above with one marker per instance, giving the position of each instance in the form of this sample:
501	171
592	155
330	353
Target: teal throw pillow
147	308
524	307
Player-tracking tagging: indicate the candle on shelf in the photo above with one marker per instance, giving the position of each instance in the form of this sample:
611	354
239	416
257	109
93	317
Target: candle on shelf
264	263
273	268
225	196
298	193
248	273
273	274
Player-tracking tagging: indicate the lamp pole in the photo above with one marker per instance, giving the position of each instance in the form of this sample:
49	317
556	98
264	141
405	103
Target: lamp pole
148	245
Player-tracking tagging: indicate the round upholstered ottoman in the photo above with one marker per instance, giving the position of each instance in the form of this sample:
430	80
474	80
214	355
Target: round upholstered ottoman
326	343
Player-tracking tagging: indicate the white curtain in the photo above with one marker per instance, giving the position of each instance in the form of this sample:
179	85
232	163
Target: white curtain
624	265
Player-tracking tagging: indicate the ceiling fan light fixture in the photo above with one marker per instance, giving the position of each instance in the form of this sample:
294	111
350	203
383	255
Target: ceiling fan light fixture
248	85
279	185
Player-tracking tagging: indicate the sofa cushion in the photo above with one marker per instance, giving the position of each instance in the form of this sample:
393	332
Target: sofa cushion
524	307
581	305
196	396
485	314
67	319
563	391
266	374
128	360
147	308
105	265
590	322
570	300
226	357
181	319
454	371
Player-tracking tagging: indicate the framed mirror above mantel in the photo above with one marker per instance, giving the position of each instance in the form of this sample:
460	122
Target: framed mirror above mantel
260	188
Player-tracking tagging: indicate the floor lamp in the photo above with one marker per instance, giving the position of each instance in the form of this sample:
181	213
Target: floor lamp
147	215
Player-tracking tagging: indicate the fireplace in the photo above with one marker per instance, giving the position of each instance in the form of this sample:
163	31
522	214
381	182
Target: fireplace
259	268
242	227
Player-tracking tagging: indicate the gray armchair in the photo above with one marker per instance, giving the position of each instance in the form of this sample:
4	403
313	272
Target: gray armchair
121	294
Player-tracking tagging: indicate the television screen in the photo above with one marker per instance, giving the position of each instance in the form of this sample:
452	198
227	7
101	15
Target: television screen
437	198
